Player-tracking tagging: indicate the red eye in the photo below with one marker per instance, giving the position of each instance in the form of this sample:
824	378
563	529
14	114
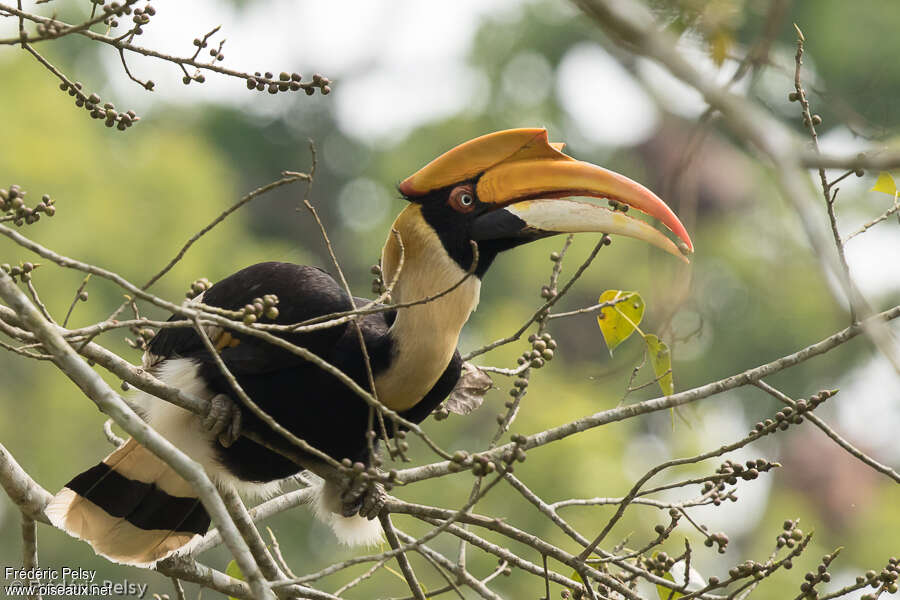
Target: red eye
462	198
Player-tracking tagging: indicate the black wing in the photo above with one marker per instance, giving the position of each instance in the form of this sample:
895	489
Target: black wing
304	292
313	404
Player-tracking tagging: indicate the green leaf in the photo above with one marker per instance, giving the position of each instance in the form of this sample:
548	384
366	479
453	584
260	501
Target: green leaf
233	570
619	321
665	593
661	359
886	184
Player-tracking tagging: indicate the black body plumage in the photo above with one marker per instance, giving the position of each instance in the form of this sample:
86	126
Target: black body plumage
311	403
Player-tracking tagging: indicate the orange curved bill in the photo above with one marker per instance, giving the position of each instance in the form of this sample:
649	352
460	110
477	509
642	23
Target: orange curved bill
521	164
472	158
514	181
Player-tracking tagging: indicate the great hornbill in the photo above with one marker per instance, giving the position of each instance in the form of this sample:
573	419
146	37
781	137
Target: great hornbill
499	191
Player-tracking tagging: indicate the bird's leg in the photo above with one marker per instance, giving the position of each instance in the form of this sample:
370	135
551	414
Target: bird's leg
354	493
364	497
373	501
354	496
223	419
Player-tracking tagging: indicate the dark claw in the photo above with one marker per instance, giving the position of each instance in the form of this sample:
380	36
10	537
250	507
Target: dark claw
352	497
373	502
365	499
351	507
233	432
223	419
213	419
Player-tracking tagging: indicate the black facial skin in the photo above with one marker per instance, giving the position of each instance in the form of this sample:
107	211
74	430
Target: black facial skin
493	228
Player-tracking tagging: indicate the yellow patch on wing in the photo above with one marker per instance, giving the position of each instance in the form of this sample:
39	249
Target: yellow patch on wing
226	340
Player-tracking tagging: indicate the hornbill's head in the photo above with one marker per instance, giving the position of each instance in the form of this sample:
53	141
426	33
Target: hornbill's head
510	187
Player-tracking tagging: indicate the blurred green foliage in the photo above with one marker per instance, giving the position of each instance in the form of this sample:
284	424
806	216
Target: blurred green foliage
128	202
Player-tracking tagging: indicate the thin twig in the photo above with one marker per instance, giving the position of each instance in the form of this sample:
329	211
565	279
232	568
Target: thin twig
29	284
359	579
826	187
480	587
254	407
394	505
77	297
147	85
23	352
59	74
405	567
244	524
179	589
107	400
374	409
247	198
451	585
193	312
662	403
22	35
840	441
276	552
121	44
883	217
339	318
544	308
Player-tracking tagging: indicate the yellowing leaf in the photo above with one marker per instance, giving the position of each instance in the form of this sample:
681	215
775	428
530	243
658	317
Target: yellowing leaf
233	570
661	359
885	183
619	321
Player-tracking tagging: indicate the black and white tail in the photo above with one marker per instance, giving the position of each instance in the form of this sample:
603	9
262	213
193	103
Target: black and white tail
132	508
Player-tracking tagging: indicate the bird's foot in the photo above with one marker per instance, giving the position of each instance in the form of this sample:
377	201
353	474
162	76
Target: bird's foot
364	498
223	419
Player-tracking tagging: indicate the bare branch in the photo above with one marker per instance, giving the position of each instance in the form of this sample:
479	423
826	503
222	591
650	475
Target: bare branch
110	403
893	209
888	160
294	177
810	121
29	548
408	573
634	24
624	412
840	441
479	587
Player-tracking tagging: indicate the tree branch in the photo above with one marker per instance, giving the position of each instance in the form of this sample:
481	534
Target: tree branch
110	403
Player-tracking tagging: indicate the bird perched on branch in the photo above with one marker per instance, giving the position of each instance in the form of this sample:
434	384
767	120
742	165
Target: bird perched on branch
481	198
